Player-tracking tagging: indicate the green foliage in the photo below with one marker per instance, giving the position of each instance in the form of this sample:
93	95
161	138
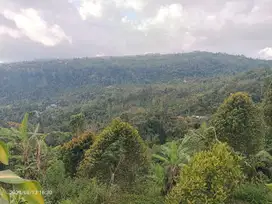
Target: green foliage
92	192
25	186
145	189
157	174
209	178
38	80
3	153
162	104
76	190
264	163
56	138
28	149
138	199
24	127
77	123
172	156
172	153
193	83
238	122
72	152
268	106
258	168
252	194
116	156
54	179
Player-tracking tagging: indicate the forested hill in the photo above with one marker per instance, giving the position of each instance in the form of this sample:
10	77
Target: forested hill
38	80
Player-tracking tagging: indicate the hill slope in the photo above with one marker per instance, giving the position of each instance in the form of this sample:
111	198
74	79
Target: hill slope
40	80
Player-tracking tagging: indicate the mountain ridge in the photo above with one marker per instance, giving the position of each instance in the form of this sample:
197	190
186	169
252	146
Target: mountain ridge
37	80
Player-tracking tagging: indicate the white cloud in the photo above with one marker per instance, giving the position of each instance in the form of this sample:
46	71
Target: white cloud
100	55
9	31
170	12
189	40
168	16
98	8
266	53
30	24
120	27
240	12
137	5
90	8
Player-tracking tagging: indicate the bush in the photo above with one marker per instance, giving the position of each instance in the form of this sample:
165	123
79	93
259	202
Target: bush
209	178
138	199
252	194
66	190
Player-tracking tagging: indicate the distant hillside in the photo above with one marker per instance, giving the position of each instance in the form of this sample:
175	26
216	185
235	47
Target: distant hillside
39	80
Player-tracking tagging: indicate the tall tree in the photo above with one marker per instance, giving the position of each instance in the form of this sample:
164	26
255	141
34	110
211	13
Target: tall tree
116	156
73	151
77	123
267	109
238	122
173	156
268	106
25	139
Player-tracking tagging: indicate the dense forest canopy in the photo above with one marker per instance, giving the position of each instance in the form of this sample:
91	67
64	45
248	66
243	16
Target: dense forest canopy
45	79
134	87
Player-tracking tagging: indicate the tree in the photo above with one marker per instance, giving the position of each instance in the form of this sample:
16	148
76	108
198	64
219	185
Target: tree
28	150
155	127
238	122
117	155
268	106
209	178
73	151
172	156
77	123
25	139
37	141
267	109
57	138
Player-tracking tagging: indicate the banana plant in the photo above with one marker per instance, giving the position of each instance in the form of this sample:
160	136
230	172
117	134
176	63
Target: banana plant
37	141
31	147
29	190
269	186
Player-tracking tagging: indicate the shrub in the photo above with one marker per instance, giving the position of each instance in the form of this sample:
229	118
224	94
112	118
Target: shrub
209	178
252	194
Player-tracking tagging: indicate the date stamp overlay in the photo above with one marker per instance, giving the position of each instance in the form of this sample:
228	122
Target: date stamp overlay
18	192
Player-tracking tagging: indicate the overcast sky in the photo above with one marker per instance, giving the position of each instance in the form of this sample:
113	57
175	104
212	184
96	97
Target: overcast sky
36	29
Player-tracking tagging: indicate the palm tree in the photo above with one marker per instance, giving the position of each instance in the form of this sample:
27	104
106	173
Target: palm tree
172	157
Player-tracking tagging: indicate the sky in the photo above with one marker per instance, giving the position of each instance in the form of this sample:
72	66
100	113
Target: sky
46	29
